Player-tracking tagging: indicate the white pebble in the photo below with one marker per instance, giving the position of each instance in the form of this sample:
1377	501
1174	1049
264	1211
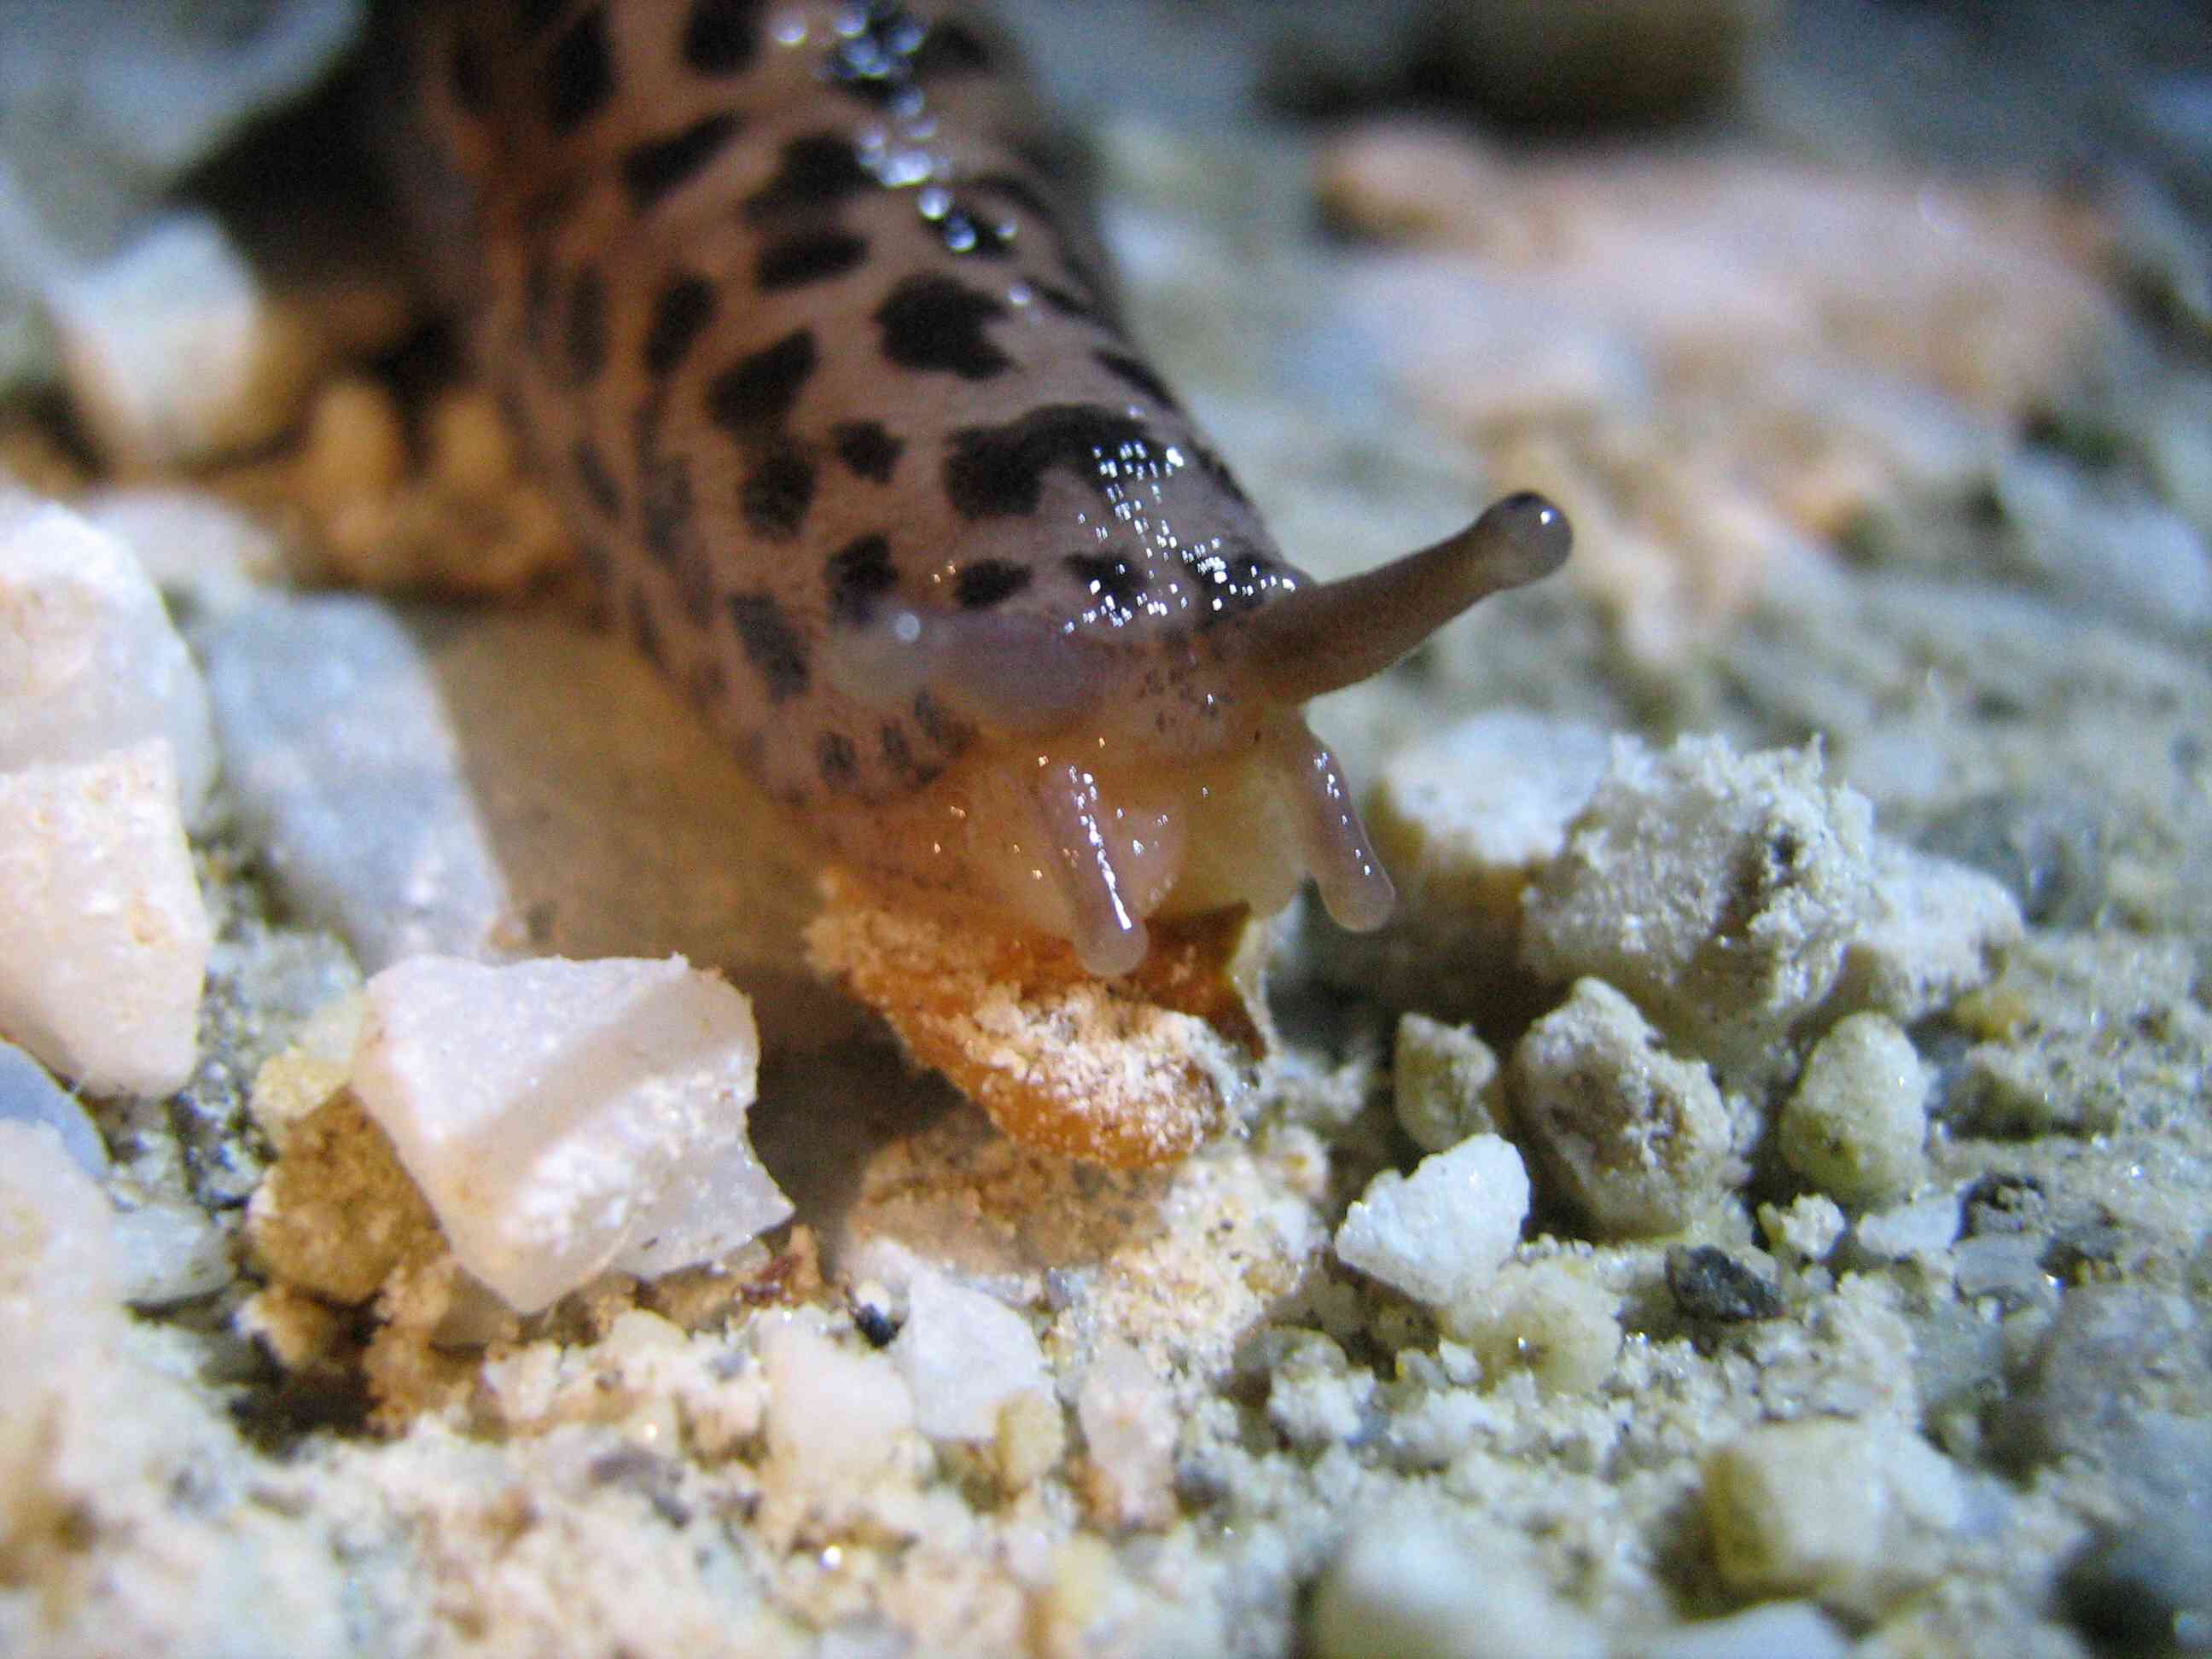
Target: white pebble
1925	1227
1782	1630
1932	931
1638	1138
1440	1233
29	1095
1719	890
89	662
190	544
1129	1423
1404	1587
170	1253
1854	1126
964	1354
174	353
1845	1511
103	938
564	1118
836	1419
1443	1082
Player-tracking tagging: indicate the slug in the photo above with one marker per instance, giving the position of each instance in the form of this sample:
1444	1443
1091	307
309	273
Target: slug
824	365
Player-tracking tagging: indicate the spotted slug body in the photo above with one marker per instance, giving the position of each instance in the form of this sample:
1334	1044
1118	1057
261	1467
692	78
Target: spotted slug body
826	370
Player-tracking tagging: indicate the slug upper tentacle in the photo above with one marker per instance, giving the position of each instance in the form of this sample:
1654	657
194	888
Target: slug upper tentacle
823	364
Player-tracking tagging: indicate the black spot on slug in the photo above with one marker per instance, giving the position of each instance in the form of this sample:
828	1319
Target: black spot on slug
533	17
1114	581
721	36
834	758
665	507
681	312
988	582
935	324
643	629
859	574
867	448
471	86
814	256
1137	373
536	300
897	753
817	170
938	725
755	395
652	170
998	471
778	490
598	482
581	73
586	341
771	645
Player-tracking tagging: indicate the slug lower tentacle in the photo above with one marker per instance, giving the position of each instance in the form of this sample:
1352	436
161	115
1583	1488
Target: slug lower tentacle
824	362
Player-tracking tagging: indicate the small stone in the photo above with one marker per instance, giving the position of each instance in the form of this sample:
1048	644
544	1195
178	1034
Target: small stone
175	352
1129	1423
29	1094
1440	1232
1031	1439
1932	930
1781	1630
1719	890
1808	1229
1856	1123
1708	1283
963	1354
565	1118
89	662
1545	1318
1637	1139
1444	1081
1404	1585
1316	1397
1828	1509
837	1421
1925	1228
1463	820
1999	1202
103	939
170	1253
2046	851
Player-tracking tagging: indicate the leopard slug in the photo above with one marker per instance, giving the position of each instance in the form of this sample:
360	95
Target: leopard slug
824	367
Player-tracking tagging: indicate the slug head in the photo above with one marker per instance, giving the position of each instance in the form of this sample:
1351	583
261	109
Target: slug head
1119	773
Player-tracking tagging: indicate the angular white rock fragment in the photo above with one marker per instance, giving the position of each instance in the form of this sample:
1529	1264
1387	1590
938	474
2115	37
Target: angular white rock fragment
1719	890
1808	1229
170	1253
89	662
565	1119
1638	1138
1782	1630
1560	1326
1405	1586
837	1420
174	350
1855	1126
1440	1232
963	1354
1128	1422
1925	1227
1846	1511
29	1095
103	938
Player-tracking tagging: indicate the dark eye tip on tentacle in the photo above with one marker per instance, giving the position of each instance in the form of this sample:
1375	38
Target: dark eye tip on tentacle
1337	633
